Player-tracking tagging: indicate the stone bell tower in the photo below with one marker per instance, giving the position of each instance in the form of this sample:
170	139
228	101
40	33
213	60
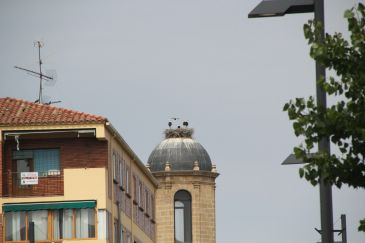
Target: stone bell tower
185	198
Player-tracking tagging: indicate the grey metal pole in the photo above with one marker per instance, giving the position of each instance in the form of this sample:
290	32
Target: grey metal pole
40	73
343	228
325	190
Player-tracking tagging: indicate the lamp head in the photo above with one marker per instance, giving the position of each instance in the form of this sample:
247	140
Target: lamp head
272	8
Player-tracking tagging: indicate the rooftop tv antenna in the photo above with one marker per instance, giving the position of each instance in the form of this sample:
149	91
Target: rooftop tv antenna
49	79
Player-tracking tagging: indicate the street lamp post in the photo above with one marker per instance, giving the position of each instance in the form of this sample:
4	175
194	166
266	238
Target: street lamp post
271	8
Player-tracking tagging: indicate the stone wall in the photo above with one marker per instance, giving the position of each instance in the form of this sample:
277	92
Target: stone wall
202	190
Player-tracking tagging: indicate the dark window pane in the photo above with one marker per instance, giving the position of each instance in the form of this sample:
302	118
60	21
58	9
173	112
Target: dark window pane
46	160
15	226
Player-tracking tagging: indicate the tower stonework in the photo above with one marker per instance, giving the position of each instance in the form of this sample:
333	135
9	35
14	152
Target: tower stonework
185	198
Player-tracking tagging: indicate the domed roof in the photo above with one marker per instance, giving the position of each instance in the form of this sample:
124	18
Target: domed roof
181	151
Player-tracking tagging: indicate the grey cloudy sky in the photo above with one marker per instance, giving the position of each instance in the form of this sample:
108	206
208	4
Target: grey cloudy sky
140	62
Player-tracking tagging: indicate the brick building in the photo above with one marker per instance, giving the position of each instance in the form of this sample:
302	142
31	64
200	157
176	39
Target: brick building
74	176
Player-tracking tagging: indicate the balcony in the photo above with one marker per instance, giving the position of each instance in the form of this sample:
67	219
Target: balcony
48	183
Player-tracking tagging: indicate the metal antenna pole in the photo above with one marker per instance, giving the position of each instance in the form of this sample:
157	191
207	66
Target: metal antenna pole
40	72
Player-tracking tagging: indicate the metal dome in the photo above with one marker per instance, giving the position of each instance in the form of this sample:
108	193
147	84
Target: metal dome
180	152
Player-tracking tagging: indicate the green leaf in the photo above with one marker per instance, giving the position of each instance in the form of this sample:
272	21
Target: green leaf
286	107
313	182
307	31
301	172
362	225
348	14
299	153
361	8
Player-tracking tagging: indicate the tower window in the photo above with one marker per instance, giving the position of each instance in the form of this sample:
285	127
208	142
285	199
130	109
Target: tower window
183	223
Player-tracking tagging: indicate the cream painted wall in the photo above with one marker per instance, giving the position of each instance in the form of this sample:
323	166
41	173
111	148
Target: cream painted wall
89	183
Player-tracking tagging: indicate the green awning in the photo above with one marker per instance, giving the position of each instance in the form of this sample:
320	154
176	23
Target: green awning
11	207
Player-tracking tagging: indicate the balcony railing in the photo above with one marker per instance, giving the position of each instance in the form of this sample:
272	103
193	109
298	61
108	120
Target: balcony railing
47	183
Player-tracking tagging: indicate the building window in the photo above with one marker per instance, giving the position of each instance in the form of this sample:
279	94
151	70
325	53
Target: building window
110	226
152	207
85	223
140	194
121	234
15	226
44	161
62	224
121	173
115	240
147	204
102	224
115	170
127	182
183	222
40	219
51	224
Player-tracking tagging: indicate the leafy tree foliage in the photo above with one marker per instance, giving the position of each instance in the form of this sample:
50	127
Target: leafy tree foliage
343	122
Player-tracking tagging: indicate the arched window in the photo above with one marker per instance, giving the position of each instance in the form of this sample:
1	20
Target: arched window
183	225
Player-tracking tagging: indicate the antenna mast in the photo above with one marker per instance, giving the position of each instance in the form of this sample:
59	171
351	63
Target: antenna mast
39	74
39	44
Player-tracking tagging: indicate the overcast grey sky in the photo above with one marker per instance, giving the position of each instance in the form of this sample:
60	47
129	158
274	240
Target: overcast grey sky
140	62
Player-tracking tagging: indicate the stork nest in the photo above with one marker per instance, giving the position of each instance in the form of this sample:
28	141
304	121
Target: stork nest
179	133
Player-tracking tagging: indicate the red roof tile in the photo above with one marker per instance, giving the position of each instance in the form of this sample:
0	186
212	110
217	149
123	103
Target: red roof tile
20	112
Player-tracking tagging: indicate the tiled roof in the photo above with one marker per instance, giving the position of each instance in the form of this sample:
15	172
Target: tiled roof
20	112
